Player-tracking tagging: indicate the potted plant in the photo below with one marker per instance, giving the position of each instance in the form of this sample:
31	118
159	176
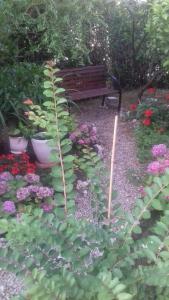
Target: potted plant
41	144
18	138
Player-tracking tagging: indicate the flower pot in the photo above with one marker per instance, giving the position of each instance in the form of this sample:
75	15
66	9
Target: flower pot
42	149
18	145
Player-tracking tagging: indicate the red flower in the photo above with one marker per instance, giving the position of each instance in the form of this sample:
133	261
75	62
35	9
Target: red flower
25	156
151	90
148	113
133	106
10	156
1	169
147	122
15	171
167	96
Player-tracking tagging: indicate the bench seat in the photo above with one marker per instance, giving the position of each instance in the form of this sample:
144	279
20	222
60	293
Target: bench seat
89	82
87	94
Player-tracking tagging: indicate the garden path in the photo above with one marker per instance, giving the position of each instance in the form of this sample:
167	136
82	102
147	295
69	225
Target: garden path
127	172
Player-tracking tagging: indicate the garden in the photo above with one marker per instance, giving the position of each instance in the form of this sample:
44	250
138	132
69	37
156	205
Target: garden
84	185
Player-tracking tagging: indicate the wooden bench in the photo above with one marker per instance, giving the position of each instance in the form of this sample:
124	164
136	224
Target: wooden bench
90	82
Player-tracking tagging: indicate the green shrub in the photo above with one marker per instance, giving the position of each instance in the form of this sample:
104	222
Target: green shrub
146	137
65	258
19	81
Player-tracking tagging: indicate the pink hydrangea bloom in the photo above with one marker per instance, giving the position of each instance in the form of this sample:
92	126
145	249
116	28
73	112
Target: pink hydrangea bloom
6	176
31	178
84	128
81	142
154	168
159	150
47	208
22	193
9	207
44	192
33	188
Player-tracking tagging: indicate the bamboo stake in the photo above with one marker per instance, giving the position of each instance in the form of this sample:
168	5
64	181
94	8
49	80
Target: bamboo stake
112	167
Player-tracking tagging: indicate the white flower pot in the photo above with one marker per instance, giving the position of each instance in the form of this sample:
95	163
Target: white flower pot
18	145
42	149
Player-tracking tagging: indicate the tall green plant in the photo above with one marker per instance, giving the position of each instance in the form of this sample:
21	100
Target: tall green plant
53	117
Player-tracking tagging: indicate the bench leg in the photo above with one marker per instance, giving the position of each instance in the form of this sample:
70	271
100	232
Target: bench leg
119	105
103	101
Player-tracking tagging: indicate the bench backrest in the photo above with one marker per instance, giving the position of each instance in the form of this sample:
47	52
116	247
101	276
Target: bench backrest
84	78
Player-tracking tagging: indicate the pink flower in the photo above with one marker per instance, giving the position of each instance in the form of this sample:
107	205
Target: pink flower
154	168
47	208
22	193
93	139
159	150
84	128
81	142
31	178
44	192
9	207
87	141
72	137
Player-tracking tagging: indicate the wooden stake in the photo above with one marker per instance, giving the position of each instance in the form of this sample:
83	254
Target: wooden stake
112	167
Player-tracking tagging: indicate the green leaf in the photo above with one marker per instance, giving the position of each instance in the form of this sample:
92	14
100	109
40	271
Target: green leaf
124	296
47	84
48	93
137	229
146	215
60	90
157	205
119	288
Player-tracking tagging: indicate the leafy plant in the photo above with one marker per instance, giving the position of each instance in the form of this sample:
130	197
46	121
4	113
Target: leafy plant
75	259
54	119
146	137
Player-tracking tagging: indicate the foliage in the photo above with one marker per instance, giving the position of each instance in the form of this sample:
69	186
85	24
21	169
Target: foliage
158	28
19	81
146	137
79	260
129	43
55	120
152	126
158	114
81	33
36	31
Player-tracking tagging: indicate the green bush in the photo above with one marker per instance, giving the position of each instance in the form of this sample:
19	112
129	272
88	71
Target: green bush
19	81
65	258
146	137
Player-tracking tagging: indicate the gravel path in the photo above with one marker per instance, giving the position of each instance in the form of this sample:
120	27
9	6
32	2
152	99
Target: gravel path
126	162
10	286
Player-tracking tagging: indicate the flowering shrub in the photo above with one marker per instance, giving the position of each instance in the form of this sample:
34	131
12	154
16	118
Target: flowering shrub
16	164
18	191
84	135
151	90
161	153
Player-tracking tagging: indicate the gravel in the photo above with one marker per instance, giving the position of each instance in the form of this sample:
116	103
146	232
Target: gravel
10	286
125	156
